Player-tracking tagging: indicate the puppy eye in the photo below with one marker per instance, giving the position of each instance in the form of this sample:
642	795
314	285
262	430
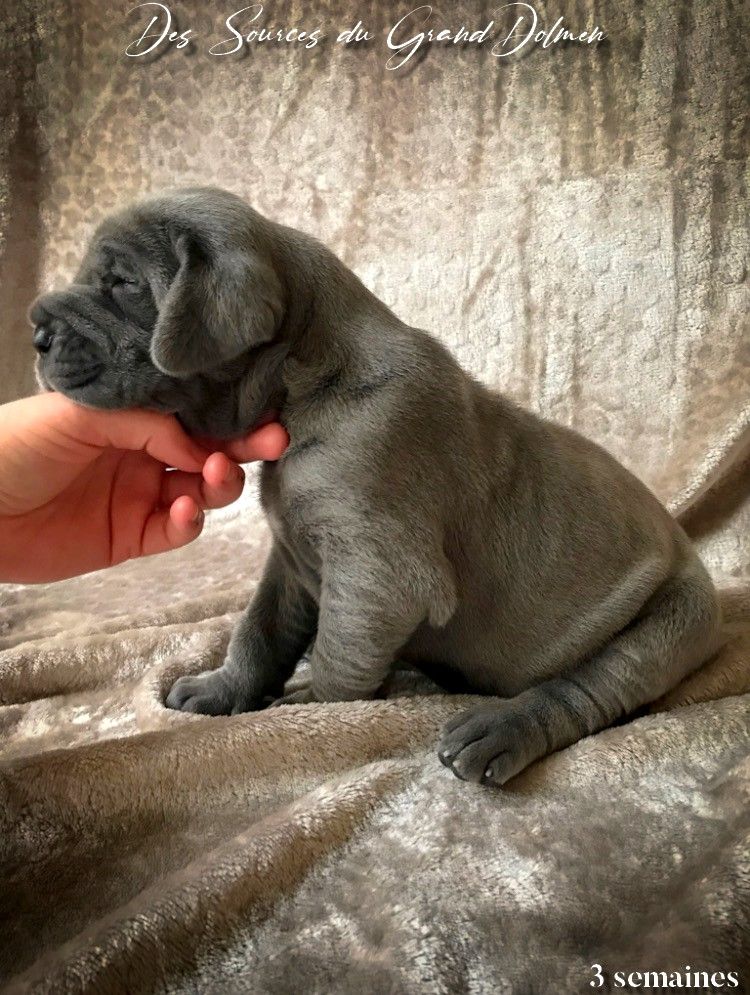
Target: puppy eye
123	282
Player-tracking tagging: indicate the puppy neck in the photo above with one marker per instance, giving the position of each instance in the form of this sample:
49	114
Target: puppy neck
230	403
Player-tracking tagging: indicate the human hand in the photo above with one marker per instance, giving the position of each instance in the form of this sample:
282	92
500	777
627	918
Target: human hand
82	489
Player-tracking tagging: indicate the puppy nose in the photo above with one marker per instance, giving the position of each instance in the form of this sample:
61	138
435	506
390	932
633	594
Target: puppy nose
43	336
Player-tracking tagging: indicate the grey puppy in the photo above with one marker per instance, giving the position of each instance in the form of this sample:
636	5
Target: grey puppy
416	515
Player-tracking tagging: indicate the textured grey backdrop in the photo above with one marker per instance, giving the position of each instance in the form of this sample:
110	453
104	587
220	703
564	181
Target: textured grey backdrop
574	224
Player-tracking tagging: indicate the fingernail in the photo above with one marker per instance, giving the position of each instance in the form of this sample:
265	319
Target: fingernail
197	518
234	472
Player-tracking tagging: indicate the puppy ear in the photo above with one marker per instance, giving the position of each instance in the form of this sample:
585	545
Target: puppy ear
219	305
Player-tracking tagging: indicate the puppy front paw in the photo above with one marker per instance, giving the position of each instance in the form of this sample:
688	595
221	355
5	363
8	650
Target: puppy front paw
491	744
215	692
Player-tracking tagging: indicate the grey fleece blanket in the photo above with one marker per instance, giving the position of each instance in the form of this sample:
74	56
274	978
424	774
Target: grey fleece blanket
575	226
324	848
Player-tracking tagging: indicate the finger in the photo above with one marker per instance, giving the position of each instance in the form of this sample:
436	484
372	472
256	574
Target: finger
220	484
160	435
221	473
170	528
266	443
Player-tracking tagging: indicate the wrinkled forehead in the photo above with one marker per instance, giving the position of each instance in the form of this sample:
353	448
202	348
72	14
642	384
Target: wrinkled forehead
132	245
144	236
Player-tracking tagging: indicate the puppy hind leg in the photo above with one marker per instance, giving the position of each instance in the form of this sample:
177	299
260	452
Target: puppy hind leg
676	631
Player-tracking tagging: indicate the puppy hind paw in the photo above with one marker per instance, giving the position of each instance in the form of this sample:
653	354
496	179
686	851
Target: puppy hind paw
491	744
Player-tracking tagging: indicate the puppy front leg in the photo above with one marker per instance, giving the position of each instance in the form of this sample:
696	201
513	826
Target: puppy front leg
265	647
675	632
354	650
371	603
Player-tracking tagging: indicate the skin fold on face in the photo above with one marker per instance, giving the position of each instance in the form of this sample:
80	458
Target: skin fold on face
93	337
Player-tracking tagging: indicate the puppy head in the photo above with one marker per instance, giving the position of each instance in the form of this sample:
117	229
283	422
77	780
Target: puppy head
173	297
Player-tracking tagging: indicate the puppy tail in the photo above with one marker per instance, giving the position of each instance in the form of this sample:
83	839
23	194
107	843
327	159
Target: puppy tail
718	484
735	609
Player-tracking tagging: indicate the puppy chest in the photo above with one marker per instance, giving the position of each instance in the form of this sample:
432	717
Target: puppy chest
295	527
